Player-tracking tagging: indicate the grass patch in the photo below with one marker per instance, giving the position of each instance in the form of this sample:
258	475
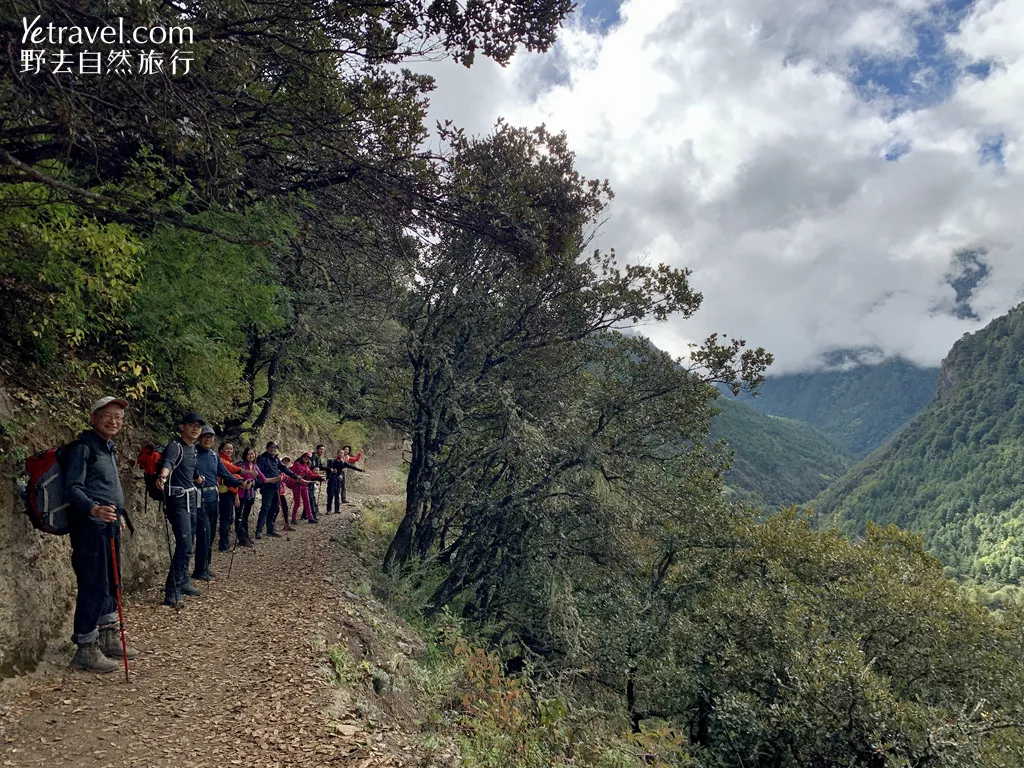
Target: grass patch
344	669
375	527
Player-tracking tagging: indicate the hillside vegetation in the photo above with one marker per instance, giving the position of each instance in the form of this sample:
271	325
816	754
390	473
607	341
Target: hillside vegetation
776	461
956	473
859	408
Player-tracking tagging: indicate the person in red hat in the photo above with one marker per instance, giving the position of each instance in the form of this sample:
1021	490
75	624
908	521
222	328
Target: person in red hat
93	487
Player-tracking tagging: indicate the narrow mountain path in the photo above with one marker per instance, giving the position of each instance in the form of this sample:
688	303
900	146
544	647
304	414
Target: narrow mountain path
239	677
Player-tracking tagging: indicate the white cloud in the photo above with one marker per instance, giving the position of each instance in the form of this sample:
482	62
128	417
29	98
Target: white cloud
737	146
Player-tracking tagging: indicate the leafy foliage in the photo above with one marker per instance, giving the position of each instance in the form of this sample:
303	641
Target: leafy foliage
68	282
776	461
296	135
954	473
281	97
198	301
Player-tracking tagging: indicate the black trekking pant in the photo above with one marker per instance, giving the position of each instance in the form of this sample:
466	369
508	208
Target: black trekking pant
314	508
182	513
242	521
96	603
268	508
206	524
334	494
227	515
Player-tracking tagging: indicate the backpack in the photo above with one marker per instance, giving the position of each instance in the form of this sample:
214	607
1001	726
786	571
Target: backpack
150	458
42	490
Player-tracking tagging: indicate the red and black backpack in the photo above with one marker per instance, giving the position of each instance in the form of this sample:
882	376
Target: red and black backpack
42	490
150	458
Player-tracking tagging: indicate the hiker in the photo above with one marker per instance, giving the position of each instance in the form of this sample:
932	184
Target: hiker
213	473
337	469
94	493
318	463
288	484
247	497
230	498
180	477
346	461
300	490
335	478
270	465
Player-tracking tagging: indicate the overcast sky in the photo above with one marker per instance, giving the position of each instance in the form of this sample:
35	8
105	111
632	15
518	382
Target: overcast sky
815	163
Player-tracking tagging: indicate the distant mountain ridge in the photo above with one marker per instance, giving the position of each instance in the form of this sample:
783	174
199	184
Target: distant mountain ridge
777	461
859	406
956	472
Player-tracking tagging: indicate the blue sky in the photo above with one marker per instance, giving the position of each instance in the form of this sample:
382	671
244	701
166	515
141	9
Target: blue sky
818	164
924	76
603	12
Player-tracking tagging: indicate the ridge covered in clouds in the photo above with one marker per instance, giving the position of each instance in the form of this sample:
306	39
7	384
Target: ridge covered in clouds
819	165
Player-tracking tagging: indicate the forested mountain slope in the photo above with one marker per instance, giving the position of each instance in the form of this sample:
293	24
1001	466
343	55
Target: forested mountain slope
956	473
776	461
859	408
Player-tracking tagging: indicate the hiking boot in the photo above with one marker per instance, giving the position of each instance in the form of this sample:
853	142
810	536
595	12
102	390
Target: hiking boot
174	601
89	658
259	536
202	577
223	549
190	591
248	543
110	644
274	535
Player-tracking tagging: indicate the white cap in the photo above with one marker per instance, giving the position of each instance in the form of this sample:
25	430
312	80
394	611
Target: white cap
103	402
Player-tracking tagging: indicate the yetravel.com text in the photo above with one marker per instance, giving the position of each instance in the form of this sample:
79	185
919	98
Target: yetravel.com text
115	33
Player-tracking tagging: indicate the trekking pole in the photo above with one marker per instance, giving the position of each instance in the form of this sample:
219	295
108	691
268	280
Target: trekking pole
120	613
167	535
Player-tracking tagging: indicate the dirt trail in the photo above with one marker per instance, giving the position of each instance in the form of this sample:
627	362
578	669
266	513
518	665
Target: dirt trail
236	678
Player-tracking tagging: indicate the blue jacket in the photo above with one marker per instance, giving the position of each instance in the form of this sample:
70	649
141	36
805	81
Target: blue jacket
209	465
271	466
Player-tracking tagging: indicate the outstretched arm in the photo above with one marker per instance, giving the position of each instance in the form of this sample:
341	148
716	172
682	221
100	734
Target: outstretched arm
229	480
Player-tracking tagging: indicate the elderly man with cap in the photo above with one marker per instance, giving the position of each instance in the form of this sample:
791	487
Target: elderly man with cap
211	469
179	479
270	465
94	491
